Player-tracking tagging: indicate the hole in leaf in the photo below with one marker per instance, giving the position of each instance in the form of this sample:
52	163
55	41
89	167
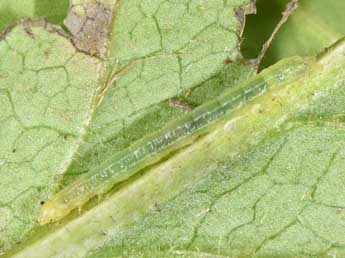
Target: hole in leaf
54	11
260	26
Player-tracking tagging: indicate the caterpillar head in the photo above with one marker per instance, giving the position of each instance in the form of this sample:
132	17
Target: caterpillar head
50	212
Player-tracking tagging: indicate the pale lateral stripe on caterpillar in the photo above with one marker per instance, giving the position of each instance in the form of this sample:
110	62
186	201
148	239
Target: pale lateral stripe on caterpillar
153	148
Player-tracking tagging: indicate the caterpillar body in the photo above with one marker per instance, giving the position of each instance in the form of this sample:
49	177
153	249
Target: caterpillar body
153	148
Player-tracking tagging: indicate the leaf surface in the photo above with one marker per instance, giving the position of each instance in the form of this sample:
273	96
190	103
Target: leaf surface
159	51
53	11
245	199
54	91
311	28
283	197
47	94
267	181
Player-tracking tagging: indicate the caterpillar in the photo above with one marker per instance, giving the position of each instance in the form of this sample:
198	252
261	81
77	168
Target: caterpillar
177	134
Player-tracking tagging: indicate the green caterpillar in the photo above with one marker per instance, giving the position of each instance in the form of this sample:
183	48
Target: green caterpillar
177	134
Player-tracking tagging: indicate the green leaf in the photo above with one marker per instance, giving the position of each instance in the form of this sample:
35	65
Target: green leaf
52	86
47	94
282	198
311	28
164	50
235	192
53	11
266	182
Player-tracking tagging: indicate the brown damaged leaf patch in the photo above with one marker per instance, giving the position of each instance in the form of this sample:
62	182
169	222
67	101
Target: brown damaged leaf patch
89	25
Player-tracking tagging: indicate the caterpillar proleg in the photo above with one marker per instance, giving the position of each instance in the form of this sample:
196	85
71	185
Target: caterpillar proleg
153	148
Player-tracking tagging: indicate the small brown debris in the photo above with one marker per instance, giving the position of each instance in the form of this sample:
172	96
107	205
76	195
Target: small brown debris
227	61
179	104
